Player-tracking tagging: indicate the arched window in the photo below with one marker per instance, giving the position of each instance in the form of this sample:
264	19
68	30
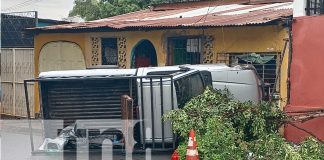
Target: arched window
61	55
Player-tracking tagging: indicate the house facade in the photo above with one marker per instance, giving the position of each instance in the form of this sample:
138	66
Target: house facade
204	32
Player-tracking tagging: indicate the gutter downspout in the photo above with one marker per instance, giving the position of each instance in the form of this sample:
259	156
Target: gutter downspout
289	24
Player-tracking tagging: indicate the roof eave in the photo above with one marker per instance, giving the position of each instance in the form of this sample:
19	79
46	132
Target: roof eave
146	28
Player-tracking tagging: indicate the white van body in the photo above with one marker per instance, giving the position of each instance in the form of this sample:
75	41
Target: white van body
188	81
242	82
156	103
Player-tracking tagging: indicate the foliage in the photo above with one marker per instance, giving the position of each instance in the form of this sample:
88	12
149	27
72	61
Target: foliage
311	149
272	146
98	9
87	9
228	129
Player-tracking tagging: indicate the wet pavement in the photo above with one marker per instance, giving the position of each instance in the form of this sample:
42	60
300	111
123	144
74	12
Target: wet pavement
16	145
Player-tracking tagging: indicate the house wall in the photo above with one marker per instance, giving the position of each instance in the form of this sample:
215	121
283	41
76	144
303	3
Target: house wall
42	39
306	79
219	41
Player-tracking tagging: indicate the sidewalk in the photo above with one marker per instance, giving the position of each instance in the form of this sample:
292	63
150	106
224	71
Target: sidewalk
15	141
20	126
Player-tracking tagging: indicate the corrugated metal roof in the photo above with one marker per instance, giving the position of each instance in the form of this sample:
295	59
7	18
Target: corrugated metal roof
193	14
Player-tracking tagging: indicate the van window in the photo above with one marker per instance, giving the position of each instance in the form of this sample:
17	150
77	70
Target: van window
188	87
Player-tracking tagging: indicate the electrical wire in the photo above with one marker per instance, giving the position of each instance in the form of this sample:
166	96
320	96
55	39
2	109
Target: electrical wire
205	16
14	6
20	5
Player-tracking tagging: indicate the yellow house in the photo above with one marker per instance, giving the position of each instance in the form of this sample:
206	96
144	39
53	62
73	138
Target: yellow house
173	34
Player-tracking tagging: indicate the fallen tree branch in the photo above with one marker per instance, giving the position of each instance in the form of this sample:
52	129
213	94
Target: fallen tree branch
305	111
305	117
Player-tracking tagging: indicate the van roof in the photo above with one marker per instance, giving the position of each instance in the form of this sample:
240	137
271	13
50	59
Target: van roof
108	72
212	67
88	73
170	70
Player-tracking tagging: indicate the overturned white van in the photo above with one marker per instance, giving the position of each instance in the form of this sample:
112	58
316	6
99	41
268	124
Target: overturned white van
81	95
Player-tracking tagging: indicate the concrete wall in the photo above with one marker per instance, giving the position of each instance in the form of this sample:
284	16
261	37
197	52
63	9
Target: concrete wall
306	78
299	8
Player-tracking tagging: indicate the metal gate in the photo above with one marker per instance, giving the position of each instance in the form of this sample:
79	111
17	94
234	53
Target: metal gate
17	64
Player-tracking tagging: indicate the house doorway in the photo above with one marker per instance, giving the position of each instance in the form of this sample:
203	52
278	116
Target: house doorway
144	55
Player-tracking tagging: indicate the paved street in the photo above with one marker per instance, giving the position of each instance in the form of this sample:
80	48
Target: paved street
15	145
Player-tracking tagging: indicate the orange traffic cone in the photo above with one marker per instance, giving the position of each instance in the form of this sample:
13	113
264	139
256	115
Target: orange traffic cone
175	155
192	152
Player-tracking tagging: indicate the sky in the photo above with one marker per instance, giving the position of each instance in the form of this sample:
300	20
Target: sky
48	9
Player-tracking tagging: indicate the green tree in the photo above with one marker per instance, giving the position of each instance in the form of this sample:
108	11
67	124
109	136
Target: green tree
98	9
87	9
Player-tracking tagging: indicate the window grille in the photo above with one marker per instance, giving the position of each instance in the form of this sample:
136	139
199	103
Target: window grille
267	70
109	51
184	50
314	7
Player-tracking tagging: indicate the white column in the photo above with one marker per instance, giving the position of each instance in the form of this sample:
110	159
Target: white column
299	8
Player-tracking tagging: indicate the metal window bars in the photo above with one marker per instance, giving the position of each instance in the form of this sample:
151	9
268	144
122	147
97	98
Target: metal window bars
314	7
266	71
